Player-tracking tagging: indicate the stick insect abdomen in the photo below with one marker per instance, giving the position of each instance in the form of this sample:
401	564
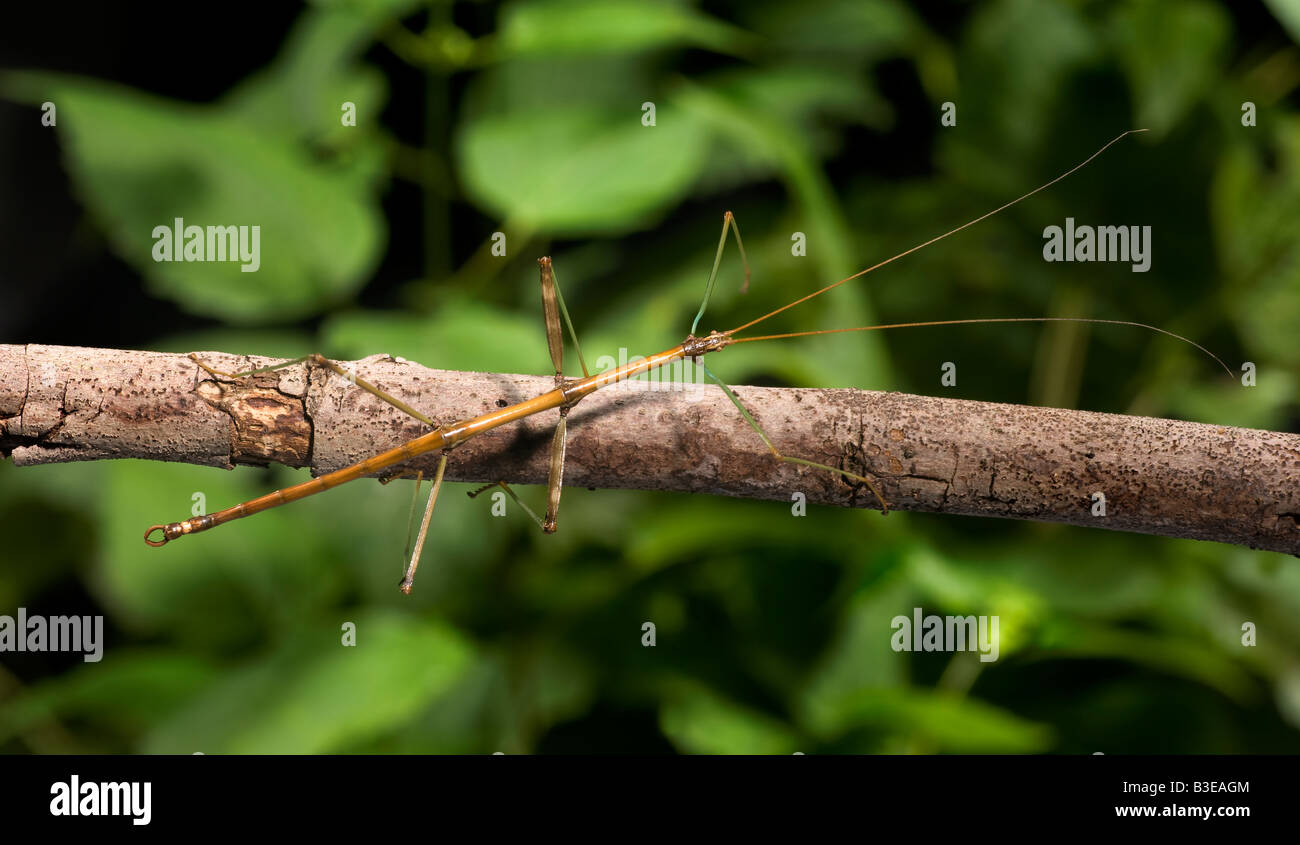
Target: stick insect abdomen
443	437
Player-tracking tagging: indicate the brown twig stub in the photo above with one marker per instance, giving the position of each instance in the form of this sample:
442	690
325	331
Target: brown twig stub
1167	477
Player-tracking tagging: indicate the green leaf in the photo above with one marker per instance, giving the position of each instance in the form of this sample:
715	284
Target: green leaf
127	692
557	27
872	28
859	658
219	586
271	342
798	95
946	723
314	695
375	11
1070	571
461	335
580	170
969	588
1173	52
772	142
1016	60
1288	696
300	94
1288	14
1257	223
140	162
1197	661
699	721
807	101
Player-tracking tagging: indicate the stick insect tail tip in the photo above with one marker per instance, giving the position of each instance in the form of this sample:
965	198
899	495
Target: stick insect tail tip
156	543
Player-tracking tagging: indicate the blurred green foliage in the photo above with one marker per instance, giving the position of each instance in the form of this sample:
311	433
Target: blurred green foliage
772	631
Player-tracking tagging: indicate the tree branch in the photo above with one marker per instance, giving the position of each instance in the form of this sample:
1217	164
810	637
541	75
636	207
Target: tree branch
1176	479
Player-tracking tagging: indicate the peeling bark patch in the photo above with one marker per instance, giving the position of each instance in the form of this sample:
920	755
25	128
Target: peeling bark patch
269	429
265	425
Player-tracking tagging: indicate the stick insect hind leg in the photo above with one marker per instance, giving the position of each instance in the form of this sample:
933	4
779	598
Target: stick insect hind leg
413	562
553	309
729	221
315	359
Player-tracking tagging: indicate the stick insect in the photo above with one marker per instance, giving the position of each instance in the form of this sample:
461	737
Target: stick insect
569	391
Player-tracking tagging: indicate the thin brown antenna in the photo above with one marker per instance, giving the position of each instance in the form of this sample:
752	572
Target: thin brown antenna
995	320
834	285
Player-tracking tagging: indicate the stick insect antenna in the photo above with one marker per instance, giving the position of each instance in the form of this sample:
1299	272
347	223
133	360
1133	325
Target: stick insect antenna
936	239
974	320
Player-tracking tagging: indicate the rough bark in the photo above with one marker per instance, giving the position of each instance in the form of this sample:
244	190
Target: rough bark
1167	477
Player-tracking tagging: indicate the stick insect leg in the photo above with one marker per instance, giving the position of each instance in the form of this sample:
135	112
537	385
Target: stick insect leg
728	222
411	557
553	308
415	497
749	418
418	475
554	482
408	578
318	360
518	501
